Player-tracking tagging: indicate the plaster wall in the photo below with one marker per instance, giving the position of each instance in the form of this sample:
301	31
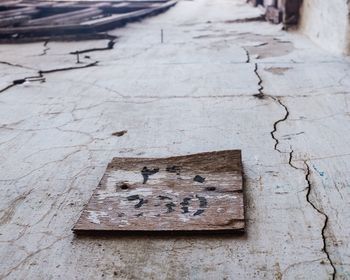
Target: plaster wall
327	24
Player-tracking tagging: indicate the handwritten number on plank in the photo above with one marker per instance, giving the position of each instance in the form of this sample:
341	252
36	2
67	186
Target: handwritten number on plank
170	205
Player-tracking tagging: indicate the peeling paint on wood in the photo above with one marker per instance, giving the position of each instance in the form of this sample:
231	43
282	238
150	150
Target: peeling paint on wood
197	192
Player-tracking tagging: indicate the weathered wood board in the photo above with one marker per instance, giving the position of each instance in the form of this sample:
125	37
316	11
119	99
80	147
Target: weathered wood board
33	21
200	192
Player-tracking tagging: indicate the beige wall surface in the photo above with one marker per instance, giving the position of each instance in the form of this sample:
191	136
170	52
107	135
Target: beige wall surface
327	24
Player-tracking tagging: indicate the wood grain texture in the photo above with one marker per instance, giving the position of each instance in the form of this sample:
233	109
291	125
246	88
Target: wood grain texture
197	192
66	18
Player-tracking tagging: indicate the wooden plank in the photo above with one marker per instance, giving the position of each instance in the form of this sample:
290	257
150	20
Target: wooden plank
18	12
10	3
116	2
44	30
13	20
126	8
66	17
199	192
77	22
57	38
115	20
79	17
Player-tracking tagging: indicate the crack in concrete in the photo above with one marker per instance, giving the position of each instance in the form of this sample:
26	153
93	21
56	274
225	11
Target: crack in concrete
262	95
307	170
42	72
40	76
46	48
110	46
285	117
9	211
6	88
290	160
248	56
15	65
326	218
30	255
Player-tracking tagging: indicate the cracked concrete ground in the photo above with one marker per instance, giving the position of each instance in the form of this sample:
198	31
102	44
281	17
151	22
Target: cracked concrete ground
215	83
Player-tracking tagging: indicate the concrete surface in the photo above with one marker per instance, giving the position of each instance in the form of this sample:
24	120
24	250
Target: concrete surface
212	85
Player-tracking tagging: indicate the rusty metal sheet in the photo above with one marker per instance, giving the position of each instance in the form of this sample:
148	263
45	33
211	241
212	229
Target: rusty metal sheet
199	192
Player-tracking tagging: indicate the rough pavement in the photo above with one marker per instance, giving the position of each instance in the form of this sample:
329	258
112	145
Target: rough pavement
215	83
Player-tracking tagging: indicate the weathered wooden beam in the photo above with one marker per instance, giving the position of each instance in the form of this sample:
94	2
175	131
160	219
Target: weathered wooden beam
10	3
66	17
116	2
18	12
126	7
44	30
67	23
192	193
79	17
58	37
8	21
119	19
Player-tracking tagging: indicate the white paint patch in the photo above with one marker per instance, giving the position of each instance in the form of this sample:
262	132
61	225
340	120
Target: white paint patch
94	216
